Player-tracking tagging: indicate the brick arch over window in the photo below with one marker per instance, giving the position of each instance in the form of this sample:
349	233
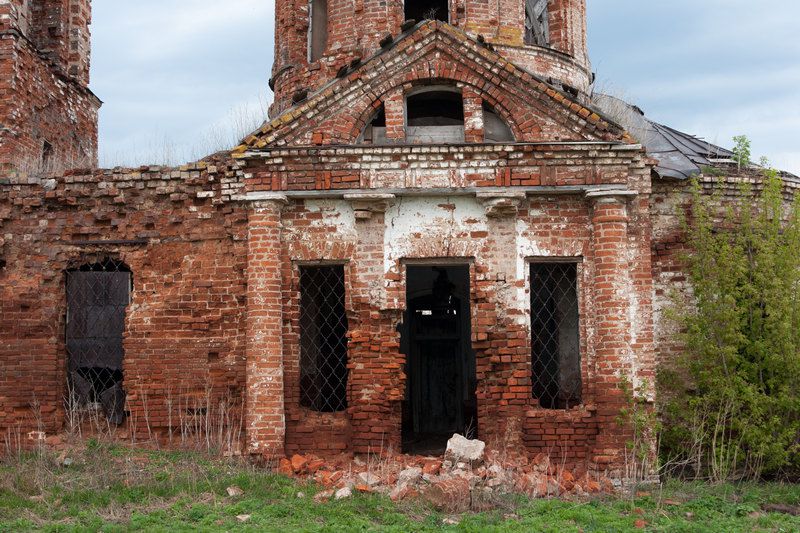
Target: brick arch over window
408	87
535	110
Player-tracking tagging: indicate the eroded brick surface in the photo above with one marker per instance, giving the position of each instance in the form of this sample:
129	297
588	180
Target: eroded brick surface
216	247
355	29
48	115
185	327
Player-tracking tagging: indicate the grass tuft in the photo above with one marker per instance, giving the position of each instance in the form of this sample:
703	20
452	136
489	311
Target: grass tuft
113	488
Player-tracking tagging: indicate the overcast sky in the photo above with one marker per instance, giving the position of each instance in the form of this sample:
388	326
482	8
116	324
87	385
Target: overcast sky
181	78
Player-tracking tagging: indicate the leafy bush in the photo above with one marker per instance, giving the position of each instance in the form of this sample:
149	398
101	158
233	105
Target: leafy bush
732	403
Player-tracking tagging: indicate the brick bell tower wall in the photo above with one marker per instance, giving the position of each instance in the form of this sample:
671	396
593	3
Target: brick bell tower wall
354	30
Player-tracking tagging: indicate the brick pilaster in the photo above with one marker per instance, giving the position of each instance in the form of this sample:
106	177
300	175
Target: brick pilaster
473	116
265	416
614	359
394	107
376	381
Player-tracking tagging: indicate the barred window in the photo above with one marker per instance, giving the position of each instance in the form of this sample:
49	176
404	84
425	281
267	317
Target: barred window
537	23
323	338
97	297
555	340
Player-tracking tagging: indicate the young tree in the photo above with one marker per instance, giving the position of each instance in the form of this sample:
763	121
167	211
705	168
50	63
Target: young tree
741	415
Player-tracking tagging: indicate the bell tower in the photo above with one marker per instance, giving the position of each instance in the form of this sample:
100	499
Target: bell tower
48	115
316	38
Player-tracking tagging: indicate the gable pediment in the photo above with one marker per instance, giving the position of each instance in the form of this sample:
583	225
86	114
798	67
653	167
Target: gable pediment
434	52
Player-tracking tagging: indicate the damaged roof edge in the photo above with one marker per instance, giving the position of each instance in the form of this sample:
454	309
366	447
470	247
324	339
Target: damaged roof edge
679	155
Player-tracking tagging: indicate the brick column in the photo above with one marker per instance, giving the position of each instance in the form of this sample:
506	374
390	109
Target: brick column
473	116
394	108
614	359
504	393
264	416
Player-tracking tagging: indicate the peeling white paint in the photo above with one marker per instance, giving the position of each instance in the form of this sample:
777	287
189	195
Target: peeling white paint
432	228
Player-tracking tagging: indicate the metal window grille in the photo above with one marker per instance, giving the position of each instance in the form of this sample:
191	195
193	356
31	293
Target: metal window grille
555	339
97	297
323	338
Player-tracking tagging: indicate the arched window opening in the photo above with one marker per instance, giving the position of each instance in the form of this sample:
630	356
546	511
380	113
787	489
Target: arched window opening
427	10
375	131
98	295
495	129
317	29
435	116
537	23
47	156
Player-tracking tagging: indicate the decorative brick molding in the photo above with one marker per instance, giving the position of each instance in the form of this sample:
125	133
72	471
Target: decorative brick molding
356	29
501	204
367	204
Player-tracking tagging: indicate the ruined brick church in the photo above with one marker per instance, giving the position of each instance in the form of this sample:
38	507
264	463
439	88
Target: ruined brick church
438	230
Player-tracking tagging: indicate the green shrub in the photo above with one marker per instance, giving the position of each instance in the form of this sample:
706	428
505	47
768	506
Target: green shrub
731	405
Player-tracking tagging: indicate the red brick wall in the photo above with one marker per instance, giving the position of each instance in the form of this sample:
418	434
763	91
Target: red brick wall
557	226
185	328
669	206
355	29
434	166
44	60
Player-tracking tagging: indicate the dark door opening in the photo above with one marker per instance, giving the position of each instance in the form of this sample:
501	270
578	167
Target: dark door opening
97	298
440	367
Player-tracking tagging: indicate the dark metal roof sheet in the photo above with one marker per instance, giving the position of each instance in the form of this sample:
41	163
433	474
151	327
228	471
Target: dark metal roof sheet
679	155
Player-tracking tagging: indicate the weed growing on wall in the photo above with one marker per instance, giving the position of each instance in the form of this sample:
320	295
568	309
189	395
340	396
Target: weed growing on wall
639	417
731	405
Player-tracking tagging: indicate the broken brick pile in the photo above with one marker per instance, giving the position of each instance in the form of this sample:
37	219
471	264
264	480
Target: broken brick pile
452	483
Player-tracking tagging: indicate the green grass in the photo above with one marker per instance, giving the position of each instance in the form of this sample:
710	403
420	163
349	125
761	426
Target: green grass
112	488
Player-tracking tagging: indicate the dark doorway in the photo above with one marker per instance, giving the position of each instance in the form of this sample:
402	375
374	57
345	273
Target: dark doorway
440	367
97	297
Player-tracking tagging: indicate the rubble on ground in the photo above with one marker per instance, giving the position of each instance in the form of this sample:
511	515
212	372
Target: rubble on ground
468	477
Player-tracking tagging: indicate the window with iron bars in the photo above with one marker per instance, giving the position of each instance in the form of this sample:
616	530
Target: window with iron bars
98	295
555	335
323	338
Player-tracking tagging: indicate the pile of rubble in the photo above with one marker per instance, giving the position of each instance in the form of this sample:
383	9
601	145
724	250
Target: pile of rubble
467	478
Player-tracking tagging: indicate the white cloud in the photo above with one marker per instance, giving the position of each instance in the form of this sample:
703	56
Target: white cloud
172	71
715	69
